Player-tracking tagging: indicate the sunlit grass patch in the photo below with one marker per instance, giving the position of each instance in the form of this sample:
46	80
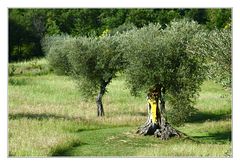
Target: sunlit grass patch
30	137
29	68
186	149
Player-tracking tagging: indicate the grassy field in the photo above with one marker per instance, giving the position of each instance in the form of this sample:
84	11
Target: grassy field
48	117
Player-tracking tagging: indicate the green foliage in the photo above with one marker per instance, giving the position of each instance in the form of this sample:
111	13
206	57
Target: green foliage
112	18
140	49
28	26
122	28
158	56
11	70
17	81
28	68
52	27
216	47
92	61
199	15
218	18
180	108
56	51
95	61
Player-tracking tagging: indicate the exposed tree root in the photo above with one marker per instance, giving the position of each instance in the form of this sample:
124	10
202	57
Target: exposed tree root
156	123
164	131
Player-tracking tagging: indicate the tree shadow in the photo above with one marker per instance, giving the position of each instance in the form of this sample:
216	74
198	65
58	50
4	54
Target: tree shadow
128	113
66	151
142	114
201	117
216	137
42	116
85	129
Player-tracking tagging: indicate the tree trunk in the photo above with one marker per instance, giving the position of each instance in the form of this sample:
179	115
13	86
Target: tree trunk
156	123
100	110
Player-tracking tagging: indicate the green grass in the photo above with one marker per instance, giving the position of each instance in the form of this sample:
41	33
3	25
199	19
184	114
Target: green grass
48	117
34	67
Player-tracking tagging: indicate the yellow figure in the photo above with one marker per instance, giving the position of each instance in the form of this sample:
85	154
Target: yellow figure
153	104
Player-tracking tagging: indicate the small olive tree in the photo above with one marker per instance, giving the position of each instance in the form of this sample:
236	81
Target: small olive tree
215	45
159	65
94	62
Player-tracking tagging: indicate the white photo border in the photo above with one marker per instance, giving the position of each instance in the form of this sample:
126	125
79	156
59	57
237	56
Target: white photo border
6	4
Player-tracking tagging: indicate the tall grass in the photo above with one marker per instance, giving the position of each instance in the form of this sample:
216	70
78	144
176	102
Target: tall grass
48	117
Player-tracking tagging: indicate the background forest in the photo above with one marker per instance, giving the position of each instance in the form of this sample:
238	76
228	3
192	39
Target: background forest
28	26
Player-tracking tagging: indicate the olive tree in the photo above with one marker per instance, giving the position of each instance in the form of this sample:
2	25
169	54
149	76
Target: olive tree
159	65
215	45
94	62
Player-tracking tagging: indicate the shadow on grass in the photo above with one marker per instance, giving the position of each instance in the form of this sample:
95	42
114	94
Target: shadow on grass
88	129
201	117
142	114
218	137
128	113
15	81
43	116
64	150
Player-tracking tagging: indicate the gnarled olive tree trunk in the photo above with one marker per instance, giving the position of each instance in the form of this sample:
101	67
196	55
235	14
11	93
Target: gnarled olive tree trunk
100	109
156	123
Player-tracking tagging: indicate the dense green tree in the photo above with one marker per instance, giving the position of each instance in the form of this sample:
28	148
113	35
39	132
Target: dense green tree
84	22
219	18
16	33
36	23
159	65
95	63
112	18
140	17
52	27
25	31
211	17
199	15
